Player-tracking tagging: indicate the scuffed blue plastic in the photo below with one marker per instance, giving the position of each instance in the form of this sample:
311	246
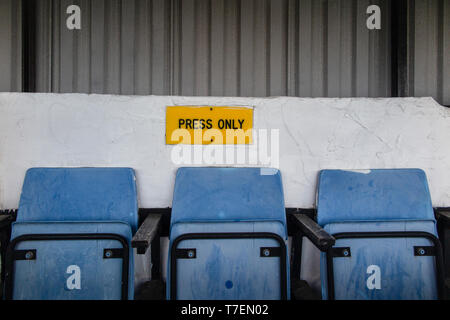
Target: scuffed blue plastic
378	201
381	194
79	194
74	200
227	194
215	200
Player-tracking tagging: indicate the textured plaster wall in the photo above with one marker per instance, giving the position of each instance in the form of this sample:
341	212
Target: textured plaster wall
106	130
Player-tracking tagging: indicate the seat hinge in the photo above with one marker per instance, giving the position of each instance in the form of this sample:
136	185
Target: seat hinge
424	251
25	254
112	253
341	252
186	253
266	252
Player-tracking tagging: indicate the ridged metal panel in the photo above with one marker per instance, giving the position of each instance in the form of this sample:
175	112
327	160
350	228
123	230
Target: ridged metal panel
10	45
429	49
280	47
335	54
216	47
122	47
43	46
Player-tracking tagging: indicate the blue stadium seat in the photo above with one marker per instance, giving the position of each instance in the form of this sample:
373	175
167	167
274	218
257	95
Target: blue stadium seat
71	239
228	235
386	240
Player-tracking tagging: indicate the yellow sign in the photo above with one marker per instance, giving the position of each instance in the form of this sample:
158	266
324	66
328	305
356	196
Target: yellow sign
209	125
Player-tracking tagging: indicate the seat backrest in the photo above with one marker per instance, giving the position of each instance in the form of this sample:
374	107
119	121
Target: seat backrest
373	195
228	194
79	194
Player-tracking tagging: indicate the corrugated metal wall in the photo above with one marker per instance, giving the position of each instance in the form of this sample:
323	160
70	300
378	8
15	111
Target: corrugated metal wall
122	47
215	47
280	47
429	49
10	45
228	47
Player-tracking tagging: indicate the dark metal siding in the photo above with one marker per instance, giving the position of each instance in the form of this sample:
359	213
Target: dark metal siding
216	47
10	45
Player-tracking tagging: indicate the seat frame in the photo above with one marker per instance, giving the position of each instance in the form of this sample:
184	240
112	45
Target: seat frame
12	255
334	252
174	254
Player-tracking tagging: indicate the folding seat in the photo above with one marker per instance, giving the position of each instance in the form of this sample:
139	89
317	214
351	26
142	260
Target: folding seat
385	231
228	235
71	238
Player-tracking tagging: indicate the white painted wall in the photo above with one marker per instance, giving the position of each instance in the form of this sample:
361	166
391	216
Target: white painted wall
106	130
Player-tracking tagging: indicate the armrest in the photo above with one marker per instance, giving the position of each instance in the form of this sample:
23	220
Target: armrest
146	233
318	236
443	215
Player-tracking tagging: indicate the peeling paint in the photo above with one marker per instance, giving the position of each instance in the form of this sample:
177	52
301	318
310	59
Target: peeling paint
315	133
